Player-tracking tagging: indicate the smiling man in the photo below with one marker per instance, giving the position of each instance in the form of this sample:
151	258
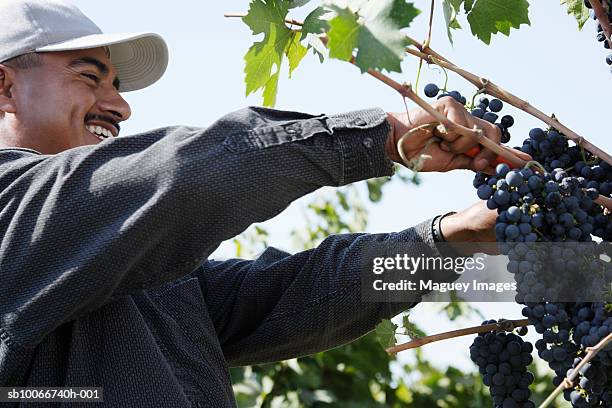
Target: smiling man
81	104
104	239
58	61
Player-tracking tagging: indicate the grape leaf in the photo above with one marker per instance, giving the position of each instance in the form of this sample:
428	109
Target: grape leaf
403	13
270	90
577	9
264	59
315	22
384	51
455	3
467	5
385	332
343	35
294	52
262	15
450	16
374	31
492	16
410	328
261	59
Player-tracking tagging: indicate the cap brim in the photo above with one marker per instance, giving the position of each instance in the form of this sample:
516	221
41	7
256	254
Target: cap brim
139	58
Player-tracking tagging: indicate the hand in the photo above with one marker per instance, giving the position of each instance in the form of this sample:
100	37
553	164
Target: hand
475	224
446	155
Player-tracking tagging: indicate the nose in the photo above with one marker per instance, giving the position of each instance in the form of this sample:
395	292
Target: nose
113	103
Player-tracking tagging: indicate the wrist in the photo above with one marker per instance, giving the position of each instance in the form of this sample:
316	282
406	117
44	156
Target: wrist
455	229
391	143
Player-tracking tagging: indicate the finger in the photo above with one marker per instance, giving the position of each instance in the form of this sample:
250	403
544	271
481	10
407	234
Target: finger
520	154
415	138
461	117
441	132
455	113
445	147
487	157
460	161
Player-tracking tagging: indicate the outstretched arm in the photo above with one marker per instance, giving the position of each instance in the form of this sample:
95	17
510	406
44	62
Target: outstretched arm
95	223
283	306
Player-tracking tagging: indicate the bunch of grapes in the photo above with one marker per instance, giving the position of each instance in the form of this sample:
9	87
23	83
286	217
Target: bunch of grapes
550	201
502	359
593	390
554	203
601	37
571	166
535	207
554	208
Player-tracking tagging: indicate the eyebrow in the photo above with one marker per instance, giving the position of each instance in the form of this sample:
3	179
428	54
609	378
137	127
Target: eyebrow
102	67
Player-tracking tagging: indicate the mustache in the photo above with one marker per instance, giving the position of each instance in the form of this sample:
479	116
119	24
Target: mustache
102	118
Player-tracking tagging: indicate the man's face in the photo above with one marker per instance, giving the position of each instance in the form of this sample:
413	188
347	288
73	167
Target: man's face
65	101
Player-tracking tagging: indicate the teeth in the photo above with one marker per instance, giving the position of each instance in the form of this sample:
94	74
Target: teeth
99	131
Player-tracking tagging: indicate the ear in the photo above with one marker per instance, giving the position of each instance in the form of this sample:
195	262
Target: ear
7	102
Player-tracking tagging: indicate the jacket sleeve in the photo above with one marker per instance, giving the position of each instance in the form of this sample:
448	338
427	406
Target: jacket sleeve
88	225
281	306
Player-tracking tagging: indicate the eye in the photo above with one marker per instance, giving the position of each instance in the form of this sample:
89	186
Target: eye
91	77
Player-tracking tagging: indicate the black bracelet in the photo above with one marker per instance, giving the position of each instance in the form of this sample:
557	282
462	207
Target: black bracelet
435	227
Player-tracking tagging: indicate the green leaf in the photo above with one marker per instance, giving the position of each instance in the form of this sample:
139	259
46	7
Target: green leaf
450	16
294	52
375	188
385	49
261	59
385	333
467	5
492	16
454	24
403	13
503	27
374	31
315	22
578	10
410	328
343	35
262	15
456	4
264	58
381	43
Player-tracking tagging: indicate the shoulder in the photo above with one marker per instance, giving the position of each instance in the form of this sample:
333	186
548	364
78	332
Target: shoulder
17	152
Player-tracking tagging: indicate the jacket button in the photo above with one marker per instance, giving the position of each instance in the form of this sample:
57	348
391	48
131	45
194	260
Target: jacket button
292	130
359	122
368	142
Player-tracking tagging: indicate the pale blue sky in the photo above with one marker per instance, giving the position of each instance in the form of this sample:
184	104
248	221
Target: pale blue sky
550	64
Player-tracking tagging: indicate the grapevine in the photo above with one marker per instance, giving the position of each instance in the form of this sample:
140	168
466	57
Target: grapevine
560	198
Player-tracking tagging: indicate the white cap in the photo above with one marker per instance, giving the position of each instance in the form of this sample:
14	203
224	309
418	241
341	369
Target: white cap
55	25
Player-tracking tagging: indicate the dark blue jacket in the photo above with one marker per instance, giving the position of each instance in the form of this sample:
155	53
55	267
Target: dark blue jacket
104	277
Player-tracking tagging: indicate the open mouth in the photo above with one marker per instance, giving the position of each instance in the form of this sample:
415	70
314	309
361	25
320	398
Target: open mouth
99	132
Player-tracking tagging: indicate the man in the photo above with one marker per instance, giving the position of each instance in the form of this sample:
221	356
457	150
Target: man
104	239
